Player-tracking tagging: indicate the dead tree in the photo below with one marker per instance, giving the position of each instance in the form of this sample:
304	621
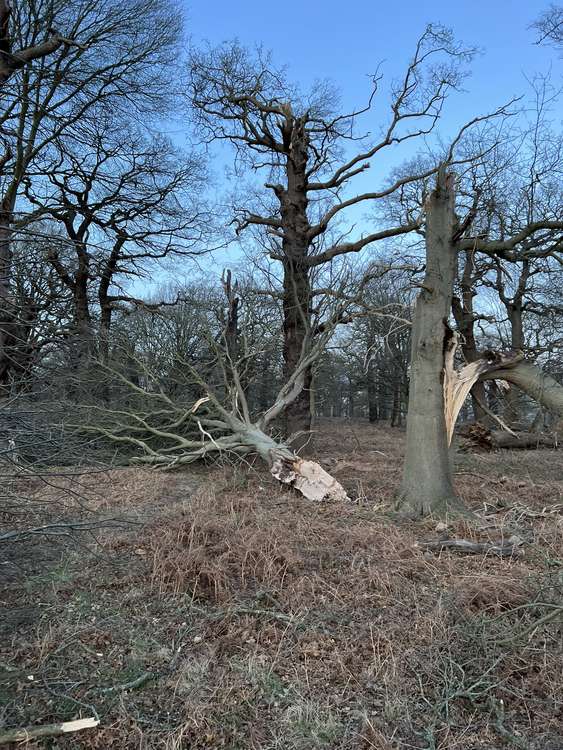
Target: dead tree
296	142
166	433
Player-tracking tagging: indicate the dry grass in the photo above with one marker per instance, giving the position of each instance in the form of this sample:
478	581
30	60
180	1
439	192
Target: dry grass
270	622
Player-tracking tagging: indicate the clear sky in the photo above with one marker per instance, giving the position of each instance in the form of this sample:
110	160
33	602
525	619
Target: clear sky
345	41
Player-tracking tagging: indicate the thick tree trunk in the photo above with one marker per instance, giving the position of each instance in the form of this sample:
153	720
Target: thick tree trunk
427	485
296	283
297	419
83	345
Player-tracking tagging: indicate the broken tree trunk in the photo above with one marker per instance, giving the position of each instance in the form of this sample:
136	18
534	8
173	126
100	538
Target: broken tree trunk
529	378
427	485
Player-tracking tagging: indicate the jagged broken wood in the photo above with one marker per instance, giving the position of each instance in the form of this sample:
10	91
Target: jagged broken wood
309	478
503	366
168	434
47	730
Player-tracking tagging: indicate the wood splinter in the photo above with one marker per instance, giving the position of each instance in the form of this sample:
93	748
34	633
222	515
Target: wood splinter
47	730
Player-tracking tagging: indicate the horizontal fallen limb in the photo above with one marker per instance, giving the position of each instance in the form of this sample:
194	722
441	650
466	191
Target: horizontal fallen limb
522	440
483	437
510	548
132	685
47	730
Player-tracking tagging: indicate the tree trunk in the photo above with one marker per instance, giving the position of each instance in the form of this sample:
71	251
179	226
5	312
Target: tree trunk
6	308
84	335
465	322
372	394
427	485
396	412
296	282
512	399
104	335
297	419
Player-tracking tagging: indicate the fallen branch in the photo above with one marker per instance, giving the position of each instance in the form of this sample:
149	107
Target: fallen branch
479	435
556	613
132	685
500	548
47	730
522	440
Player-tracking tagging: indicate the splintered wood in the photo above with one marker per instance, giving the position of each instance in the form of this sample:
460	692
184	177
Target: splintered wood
310	479
458	383
47	730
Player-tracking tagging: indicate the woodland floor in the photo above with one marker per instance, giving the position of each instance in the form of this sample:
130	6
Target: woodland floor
231	614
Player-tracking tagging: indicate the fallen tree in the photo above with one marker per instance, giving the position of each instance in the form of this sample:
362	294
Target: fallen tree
168	433
477	434
508	367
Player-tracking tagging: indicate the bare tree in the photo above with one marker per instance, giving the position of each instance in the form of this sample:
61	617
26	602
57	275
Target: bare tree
301	143
123	204
116	62
427	478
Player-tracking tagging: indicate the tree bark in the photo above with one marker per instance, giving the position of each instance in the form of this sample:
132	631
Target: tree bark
373	412
396	413
465	321
522	440
537	384
6	308
427	485
83	345
296	281
512	399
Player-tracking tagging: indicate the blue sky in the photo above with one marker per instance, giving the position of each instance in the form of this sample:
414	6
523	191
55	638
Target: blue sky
346	41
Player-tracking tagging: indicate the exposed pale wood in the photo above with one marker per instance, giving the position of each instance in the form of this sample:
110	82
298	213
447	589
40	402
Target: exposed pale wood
47	730
458	383
309	478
